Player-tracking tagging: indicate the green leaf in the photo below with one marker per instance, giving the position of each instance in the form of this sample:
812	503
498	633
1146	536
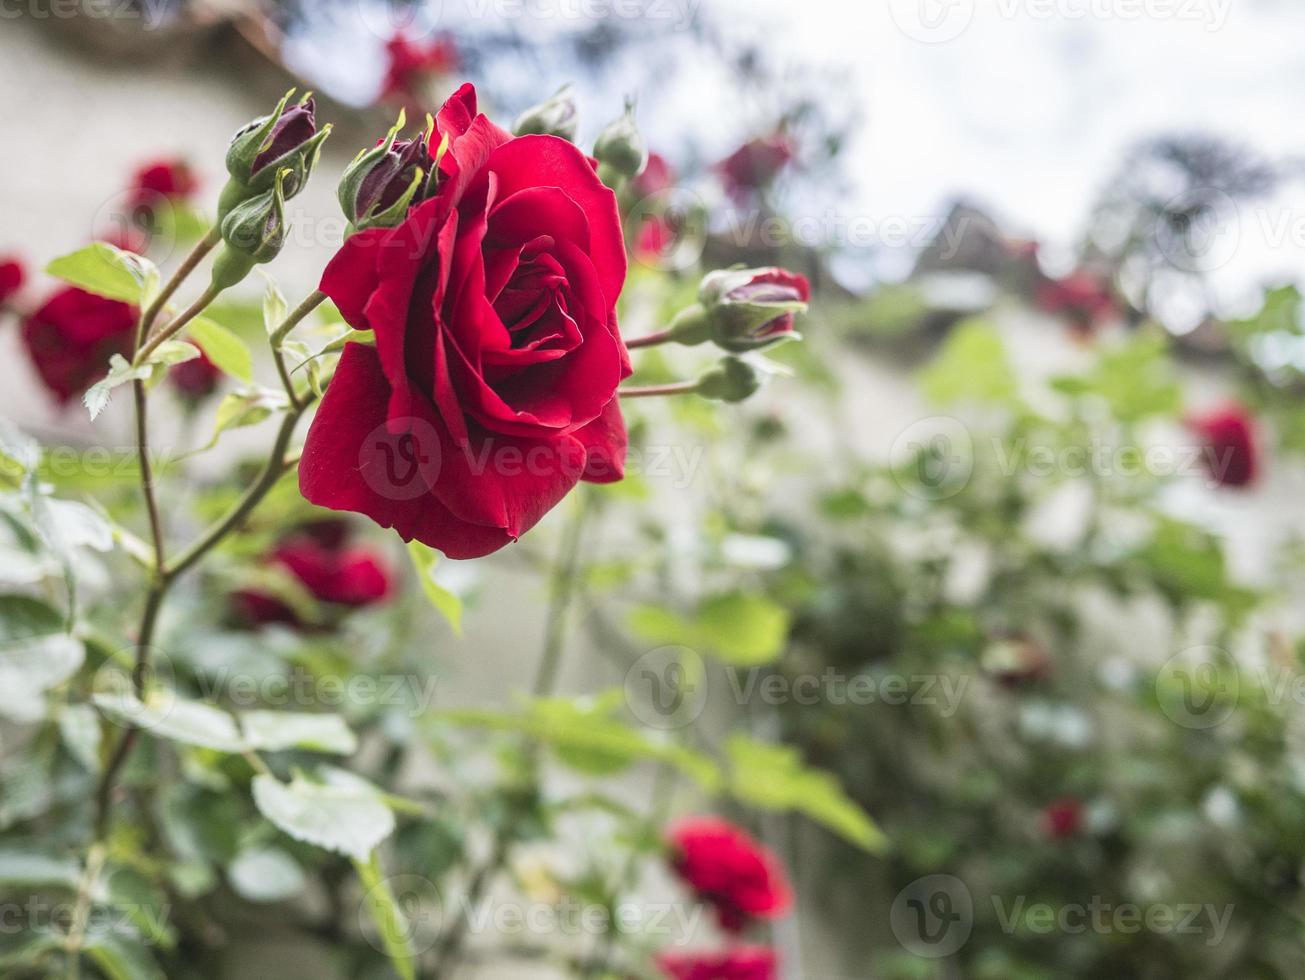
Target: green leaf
245	407
266	874
445	602
223	348
971	367
167	715
32	869
586	737
1136	380
773	777
120	959
341	813
35	656
168	353
274	305
275	731
386	914
108	271
742	628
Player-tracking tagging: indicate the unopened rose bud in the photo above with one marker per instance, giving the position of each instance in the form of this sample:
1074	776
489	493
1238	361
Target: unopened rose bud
620	149
285	140
732	380
744	309
556	117
252	233
379	186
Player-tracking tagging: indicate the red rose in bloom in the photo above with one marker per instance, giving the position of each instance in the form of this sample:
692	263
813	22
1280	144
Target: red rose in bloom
71	338
730	871
740	963
1232	445
411	62
1063	818
195	379
317	555
491	390
1083	298
755	164
12	275
169	178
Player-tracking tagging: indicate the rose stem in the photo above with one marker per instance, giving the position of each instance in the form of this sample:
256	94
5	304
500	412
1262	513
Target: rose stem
654	391
648	340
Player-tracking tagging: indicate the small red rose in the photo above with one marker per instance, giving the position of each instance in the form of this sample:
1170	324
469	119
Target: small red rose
729	870
409	63
1083	298
656	177
1232	445
169	178
755	165
491	390
12	275
333	572
72	336
1063	818
195	379
739	963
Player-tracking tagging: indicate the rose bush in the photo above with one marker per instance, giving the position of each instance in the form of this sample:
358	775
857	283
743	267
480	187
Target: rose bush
497	353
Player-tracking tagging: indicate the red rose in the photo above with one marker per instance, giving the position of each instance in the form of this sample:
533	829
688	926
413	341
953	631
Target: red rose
730	871
349	577
1083	298
1232	445
755	164
657	176
1063	818
169	178
71	338
12	275
195	379
740	963
491	390
409	63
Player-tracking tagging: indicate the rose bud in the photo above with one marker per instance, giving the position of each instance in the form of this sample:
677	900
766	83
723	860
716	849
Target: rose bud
1063	818
195	379
755	164
738	963
620	150
730	871
379	186
743	309
169	179
12	275
1232	445
556	117
731	380
287	139
72	336
253	233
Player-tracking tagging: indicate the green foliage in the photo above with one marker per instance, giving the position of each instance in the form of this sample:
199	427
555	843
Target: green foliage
223	348
740	628
337	811
971	367
108	271
445	602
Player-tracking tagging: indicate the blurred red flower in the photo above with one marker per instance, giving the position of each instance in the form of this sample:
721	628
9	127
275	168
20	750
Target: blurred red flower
1232	445
195	379
755	164
729	870
71	337
12	276
1063	818
333	572
168	177
410	63
1084	299
740	963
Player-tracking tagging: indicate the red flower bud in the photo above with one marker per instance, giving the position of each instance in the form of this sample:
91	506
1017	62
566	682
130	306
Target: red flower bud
739	963
410	63
12	275
755	164
169	178
1232	445
729	870
1063	818
1084	299
195	379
